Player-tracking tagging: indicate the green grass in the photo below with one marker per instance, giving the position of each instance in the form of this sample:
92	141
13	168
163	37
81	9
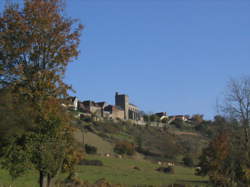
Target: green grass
120	171
29	180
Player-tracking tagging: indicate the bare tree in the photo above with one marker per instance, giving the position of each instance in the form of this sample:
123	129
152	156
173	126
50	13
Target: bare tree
237	104
237	100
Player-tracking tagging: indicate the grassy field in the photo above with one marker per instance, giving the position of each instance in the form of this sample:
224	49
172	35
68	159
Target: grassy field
120	171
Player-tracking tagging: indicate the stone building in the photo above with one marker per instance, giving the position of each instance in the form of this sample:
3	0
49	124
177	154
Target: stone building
91	107
121	110
115	112
131	111
71	103
101	109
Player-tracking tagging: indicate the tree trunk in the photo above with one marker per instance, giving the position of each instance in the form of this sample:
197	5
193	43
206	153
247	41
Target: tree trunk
50	181
246	137
42	179
246	143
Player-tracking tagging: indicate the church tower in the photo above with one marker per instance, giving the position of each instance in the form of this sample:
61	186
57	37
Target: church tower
121	100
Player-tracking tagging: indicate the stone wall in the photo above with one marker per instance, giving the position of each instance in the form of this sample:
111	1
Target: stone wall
117	113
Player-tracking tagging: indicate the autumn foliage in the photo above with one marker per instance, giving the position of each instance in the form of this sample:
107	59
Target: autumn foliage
124	147
225	160
37	42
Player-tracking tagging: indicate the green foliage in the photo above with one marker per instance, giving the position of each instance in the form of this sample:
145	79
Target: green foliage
108	126
226	159
37	43
151	118
180	124
188	161
197	119
124	147
172	148
139	141
17	158
87	119
90	149
146	118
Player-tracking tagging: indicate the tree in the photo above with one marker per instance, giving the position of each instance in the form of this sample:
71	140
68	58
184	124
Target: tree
36	44
214	158
237	100
154	118
197	119
237	104
124	147
188	161
146	118
225	160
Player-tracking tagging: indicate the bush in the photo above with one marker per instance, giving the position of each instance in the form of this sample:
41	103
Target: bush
124	147
166	169
91	162
180	124
76	182
188	161
85	118
177	185
146	152
90	149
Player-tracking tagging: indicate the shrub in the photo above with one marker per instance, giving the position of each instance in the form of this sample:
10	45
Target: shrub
169	169
180	124
85	118
177	185
124	147
146	152
76	182
188	161
91	162
90	149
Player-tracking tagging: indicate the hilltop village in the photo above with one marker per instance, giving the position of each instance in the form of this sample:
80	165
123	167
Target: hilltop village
122	110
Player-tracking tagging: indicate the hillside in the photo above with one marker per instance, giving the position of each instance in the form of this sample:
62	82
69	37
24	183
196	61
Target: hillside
152	144
165	144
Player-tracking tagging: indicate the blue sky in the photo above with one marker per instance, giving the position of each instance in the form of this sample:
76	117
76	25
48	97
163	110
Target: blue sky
167	55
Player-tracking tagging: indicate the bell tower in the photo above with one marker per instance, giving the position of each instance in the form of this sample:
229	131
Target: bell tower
122	101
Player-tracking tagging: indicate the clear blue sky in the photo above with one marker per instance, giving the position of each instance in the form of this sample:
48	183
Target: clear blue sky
167	55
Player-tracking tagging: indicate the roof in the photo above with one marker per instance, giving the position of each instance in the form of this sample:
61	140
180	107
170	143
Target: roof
92	103
111	108
71	98
133	105
101	104
117	93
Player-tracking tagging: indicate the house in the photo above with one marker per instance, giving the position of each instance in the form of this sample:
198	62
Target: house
121	110
71	103
179	117
91	107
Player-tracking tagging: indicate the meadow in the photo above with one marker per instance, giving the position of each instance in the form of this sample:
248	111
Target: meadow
119	171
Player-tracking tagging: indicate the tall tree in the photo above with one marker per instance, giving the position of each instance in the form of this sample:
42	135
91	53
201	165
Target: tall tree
237	100
226	159
36	44
237	104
